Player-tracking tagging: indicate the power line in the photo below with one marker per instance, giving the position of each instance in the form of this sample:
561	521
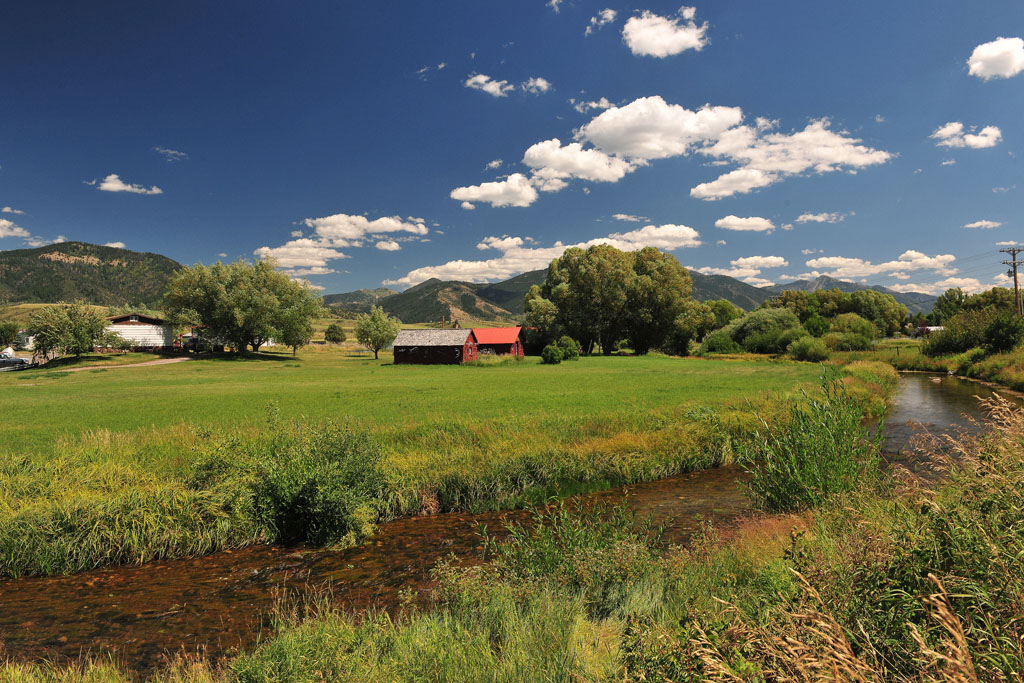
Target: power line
1013	263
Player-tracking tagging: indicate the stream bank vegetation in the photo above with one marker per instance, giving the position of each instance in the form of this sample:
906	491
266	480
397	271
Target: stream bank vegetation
894	580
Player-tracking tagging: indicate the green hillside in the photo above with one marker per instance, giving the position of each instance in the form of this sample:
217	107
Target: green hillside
708	287
511	294
71	271
358	301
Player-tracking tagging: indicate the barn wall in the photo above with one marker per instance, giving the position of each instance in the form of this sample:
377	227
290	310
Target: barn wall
428	355
144	335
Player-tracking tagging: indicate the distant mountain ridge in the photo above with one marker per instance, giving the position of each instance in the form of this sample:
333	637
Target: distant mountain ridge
916	302
69	271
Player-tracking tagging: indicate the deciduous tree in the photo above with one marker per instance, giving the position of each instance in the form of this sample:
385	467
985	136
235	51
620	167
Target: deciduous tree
376	329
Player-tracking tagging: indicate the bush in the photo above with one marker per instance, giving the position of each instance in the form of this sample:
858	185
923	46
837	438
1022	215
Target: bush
816	325
8	333
335	334
720	341
1004	333
551	355
773	341
848	341
964	331
763	322
821	450
570	348
808	349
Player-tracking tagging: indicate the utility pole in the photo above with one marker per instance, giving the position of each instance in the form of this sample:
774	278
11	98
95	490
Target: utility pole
1013	251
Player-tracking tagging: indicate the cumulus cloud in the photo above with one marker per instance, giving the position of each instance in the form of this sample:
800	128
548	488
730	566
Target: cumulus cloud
953	134
311	255
113	183
115	245
36	241
651	35
760	262
821	218
10	229
8	209
984	225
843	267
491	165
1010	243
536	85
766	157
489	85
515	190
602	18
1001	58
551	161
748	224
584	106
516	257
748	269
171	155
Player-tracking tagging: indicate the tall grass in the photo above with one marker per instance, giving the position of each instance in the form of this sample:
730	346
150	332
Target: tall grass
821	450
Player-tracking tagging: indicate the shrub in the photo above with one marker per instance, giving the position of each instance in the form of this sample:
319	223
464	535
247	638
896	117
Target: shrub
335	334
821	450
808	349
1004	333
8	333
551	355
816	325
964	331
570	348
763	321
773	341
848	341
720	341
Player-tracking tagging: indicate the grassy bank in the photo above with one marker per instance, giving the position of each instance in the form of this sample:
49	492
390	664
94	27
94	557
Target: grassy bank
890	582
244	451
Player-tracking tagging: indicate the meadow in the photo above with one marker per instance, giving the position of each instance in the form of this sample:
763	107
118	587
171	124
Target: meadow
125	465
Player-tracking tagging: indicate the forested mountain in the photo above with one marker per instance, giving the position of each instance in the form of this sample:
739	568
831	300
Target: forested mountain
72	271
916	302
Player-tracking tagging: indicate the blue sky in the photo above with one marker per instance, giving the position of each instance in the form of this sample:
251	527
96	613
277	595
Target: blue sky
391	142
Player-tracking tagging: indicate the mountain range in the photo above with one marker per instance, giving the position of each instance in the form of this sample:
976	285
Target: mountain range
111	276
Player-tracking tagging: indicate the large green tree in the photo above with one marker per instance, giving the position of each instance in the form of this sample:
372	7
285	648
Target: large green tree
602	295
376	329
8	333
68	329
243	304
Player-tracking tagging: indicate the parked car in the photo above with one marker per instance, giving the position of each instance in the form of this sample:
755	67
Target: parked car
14	364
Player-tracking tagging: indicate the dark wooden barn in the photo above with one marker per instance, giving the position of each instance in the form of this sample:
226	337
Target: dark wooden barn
499	341
435	347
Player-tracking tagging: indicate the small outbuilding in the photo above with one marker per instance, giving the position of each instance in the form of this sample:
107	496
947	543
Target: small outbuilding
435	347
499	341
145	332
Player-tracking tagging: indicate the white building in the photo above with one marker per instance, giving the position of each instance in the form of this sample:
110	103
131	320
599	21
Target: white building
145	332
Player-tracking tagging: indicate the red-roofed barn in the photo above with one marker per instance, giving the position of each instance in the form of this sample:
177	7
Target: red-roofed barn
499	341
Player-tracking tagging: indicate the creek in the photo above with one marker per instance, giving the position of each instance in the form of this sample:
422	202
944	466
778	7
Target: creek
218	604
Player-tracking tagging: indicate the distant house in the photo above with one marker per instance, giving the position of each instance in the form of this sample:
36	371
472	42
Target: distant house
145	332
500	341
435	347
925	330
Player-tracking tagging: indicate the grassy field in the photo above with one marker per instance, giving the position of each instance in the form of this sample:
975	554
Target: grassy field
124	465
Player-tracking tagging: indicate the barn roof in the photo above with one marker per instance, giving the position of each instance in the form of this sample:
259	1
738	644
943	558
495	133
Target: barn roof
432	337
496	335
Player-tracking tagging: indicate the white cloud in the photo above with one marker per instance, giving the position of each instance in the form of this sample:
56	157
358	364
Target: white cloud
1001	58
10	229
515	190
491	165
879	118
517	258
821	218
758	282
604	17
302	254
628	218
649	128
953	135
42	242
554	4
766	158
652	35
388	245
468	206
1000	190
760	262
489	85
948	162
115	245
170	154
8	209
1009	243
984	225
749	224
808	252
346	230
846	268
551	161
583	107
113	183
536	85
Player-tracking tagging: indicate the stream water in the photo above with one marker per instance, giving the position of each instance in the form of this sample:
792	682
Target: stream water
219	603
